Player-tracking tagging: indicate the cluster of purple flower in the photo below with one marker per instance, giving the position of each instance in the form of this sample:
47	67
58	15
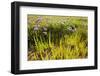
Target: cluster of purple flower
37	26
43	29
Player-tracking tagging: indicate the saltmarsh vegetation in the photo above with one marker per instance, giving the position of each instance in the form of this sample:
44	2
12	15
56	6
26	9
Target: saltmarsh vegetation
57	37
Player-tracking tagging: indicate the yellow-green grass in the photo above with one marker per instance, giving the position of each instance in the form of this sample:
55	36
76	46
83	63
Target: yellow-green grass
58	43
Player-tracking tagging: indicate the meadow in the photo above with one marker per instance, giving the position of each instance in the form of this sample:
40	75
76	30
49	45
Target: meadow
57	37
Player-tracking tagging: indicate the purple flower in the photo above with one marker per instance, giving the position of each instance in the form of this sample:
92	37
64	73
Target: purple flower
38	20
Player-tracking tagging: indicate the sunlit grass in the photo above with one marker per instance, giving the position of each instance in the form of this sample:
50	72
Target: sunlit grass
57	37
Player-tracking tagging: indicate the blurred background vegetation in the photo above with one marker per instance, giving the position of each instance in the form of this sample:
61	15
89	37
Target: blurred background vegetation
57	37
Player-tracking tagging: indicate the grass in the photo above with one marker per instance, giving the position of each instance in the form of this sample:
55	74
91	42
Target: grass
57	37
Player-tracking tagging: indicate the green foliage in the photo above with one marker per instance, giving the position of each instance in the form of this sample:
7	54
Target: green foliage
57	37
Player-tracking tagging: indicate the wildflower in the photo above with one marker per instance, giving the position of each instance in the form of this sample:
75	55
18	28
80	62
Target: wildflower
72	29
45	33
36	27
44	29
38	20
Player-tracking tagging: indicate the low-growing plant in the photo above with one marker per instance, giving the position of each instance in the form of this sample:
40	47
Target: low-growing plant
55	37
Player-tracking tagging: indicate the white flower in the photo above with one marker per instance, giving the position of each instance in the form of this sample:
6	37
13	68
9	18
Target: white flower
36	27
45	33
71	28
44	29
